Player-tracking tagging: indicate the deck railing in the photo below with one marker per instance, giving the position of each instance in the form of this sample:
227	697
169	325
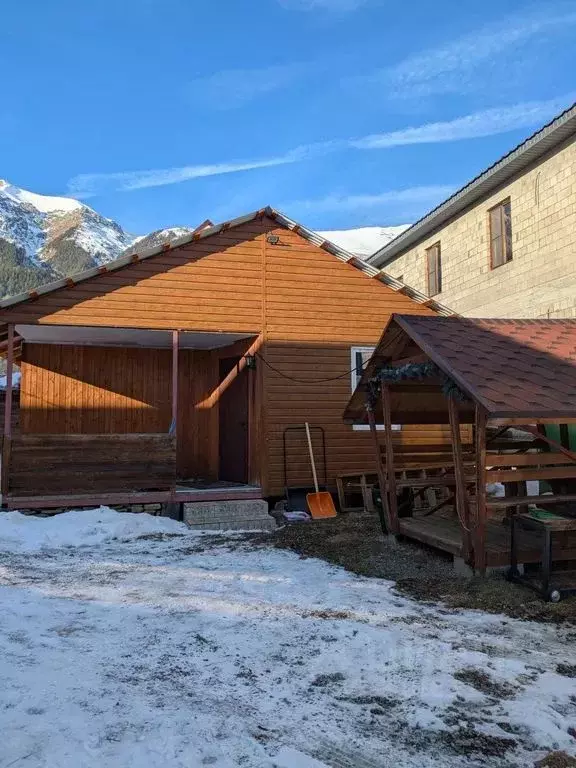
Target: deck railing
105	463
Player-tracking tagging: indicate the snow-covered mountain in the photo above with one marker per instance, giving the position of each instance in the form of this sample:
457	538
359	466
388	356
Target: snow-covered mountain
158	237
363	241
43	238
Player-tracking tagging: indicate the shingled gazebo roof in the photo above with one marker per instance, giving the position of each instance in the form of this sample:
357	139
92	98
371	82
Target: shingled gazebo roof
513	368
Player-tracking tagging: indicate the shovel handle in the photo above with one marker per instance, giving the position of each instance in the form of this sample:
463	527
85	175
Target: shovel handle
312	462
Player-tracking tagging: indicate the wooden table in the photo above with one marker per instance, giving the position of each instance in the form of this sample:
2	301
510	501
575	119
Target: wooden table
548	527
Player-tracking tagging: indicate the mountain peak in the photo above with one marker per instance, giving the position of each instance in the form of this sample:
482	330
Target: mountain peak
47	204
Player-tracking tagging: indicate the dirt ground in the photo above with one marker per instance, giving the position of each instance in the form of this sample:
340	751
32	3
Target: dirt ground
354	541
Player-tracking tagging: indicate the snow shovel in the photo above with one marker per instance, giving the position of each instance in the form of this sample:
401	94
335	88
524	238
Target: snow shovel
320	503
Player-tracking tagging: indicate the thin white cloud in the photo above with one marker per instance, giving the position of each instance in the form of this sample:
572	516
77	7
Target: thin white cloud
488	122
485	123
90	184
412	196
232	88
454	67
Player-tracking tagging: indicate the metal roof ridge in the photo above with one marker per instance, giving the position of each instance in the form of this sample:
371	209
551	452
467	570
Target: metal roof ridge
426	223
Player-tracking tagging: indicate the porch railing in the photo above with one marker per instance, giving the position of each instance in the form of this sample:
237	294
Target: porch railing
67	464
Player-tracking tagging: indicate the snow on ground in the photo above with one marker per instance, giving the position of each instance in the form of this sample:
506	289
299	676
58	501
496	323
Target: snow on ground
129	641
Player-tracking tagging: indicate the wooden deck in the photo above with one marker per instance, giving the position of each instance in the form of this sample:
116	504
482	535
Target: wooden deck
444	533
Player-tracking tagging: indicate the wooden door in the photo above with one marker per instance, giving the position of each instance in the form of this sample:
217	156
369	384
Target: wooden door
233	425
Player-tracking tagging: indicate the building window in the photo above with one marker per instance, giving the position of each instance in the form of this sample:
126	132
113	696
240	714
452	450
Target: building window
359	357
500	234
433	269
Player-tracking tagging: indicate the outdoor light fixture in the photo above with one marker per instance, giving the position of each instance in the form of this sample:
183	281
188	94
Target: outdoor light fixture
250	362
273	239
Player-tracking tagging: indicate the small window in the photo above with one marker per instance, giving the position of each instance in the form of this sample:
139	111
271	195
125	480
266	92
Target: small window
433	269
500	234
359	357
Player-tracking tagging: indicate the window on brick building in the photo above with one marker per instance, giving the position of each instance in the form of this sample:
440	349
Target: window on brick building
433	269
500	234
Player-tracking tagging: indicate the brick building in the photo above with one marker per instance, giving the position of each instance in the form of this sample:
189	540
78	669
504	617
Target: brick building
505	244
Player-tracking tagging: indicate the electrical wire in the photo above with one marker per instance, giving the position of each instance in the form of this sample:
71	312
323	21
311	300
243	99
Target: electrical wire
306	381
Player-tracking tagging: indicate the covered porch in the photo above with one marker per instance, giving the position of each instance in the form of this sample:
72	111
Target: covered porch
119	415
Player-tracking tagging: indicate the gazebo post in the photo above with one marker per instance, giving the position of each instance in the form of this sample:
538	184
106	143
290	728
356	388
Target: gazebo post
481	509
390	473
384	514
460	478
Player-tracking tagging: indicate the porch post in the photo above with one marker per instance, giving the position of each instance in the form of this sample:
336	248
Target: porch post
7	441
390	469
460	478
481	508
175	349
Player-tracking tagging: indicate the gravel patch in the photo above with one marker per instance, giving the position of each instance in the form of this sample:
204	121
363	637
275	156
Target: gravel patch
355	542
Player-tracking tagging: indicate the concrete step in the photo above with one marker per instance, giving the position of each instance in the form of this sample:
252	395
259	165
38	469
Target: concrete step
239	515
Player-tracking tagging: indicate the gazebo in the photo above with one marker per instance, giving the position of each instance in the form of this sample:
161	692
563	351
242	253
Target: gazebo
482	377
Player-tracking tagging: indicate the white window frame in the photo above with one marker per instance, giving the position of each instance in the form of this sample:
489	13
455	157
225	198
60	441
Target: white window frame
354	380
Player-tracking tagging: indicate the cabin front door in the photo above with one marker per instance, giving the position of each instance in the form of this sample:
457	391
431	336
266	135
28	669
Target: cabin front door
233	424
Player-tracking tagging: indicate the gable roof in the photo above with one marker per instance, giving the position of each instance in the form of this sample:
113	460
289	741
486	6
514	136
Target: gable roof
208	231
517	160
514	368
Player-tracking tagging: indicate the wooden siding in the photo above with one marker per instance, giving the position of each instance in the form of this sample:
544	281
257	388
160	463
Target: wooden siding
317	307
213	285
197	419
94	390
91	463
113	390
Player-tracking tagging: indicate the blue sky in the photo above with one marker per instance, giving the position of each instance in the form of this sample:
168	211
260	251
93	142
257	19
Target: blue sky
342	113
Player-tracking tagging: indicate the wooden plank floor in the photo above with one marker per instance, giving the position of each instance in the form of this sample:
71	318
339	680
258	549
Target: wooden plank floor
445	533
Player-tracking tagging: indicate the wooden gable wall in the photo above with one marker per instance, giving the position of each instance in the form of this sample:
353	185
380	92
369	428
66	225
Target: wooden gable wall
212	284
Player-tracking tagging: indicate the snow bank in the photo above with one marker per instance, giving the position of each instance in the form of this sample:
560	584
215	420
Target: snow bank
23	533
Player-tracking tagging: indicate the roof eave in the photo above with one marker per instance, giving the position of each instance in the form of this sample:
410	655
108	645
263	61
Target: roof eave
540	143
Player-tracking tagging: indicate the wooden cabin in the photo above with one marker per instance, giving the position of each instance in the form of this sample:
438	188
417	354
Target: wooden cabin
480	378
173	375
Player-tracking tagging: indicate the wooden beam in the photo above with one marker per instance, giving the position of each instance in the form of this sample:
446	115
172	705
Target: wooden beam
524	421
535	473
175	355
462	506
385	515
481	509
7	441
502	502
390	469
527	460
415	358
552	443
